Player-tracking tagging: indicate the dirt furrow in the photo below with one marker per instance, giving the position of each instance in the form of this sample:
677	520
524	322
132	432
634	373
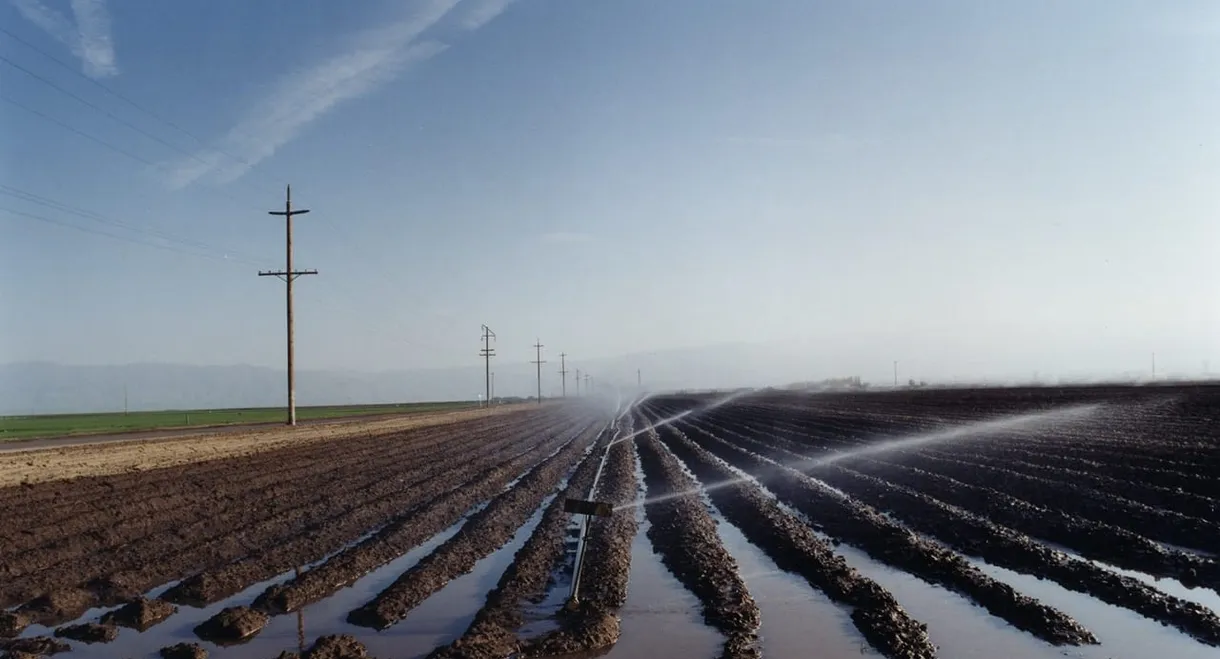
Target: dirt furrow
683	534
229	509
493	633
1103	507
117	507
797	549
485	532
885	541
1091	539
302	548
130	568
592	624
1001	546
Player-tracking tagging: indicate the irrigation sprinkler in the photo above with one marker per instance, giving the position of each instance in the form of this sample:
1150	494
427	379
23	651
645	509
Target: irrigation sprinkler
587	509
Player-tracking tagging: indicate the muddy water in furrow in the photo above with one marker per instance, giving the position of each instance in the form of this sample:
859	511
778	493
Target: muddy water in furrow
325	617
958	628
660	617
797	621
1123	633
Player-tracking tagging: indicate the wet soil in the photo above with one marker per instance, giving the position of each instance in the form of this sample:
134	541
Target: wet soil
796	548
140	614
231	625
592	623
469	483
220	514
683	534
493	633
485	532
862	526
89	632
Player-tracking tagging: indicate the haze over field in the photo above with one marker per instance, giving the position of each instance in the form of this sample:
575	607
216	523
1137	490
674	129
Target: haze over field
981	191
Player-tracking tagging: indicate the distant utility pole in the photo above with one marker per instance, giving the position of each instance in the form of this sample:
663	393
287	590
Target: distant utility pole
539	361
487	353
578	383
638	381
287	275
895	373
588	387
563	373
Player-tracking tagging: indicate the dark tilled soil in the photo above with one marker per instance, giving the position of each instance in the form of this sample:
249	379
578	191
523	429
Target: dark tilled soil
465	485
861	526
233	624
316	536
131	566
603	585
35	645
89	632
184	651
140	614
796	548
485	532
493	633
683	534
1102	542
12	622
337	647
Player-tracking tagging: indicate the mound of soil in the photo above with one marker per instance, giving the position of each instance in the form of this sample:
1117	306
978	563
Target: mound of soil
12	622
140	614
58	606
35	645
236	623
184	651
337	647
89	632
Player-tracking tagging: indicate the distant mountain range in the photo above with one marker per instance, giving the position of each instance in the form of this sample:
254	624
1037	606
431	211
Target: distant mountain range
49	388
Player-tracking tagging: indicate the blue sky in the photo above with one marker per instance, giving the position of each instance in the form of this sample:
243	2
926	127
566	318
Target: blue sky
980	188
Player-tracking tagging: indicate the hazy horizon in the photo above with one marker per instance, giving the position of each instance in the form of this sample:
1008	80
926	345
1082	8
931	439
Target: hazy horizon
983	192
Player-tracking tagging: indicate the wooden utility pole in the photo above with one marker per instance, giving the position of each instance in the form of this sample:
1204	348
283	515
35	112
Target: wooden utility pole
638	382
288	275
539	361
578	383
895	373
563	373
487	353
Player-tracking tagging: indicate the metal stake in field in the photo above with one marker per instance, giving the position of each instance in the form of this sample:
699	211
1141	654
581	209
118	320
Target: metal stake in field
287	276
539	361
487	353
563	373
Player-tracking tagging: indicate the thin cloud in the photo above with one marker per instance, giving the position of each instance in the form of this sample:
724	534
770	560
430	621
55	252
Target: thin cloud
482	12
377	57
565	237
88	37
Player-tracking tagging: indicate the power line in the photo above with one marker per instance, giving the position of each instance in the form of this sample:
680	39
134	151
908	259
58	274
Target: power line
102	110
98	217
69	225
115	94
288	275
83	134
539	362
